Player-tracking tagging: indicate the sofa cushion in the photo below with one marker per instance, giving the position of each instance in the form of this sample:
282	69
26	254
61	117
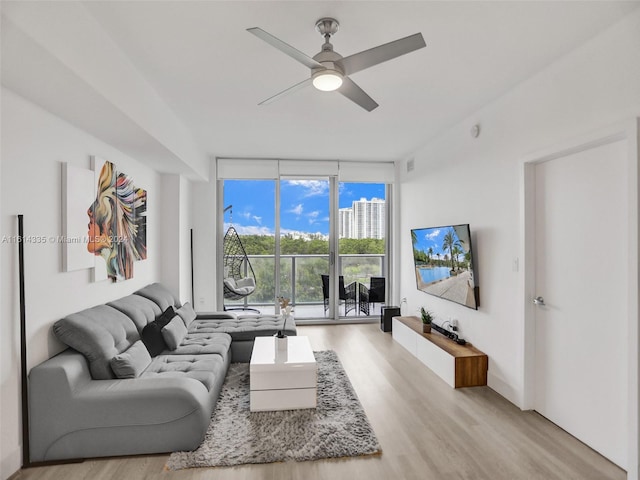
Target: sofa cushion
203	368
132	362
139	309
159	294
187	313
173	332
244	327
152	333
243	286
99	333
204	343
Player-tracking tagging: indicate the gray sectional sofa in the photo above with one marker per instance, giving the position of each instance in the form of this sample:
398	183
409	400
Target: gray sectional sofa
80	408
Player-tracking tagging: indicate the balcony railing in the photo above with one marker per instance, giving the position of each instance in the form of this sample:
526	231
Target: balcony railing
300	276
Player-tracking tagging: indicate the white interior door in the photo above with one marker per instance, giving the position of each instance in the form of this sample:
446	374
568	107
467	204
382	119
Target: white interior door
581	255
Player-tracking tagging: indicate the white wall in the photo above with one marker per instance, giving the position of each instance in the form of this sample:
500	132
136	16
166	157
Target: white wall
170	208
458	179
204	201
176	223
34	143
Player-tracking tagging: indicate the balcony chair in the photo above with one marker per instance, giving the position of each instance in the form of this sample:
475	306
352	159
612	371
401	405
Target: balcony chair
237	284
375	293
346	294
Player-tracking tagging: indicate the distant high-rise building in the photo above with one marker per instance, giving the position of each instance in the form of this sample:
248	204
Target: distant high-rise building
364	219
345	221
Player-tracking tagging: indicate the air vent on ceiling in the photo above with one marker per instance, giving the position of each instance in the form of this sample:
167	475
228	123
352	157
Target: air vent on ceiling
410	165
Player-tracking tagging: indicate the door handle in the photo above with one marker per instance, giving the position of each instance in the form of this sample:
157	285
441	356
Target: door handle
539	301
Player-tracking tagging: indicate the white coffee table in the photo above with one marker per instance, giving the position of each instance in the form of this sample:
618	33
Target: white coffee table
282	379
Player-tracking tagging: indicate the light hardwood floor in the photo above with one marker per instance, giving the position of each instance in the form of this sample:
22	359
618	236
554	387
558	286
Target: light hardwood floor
427	430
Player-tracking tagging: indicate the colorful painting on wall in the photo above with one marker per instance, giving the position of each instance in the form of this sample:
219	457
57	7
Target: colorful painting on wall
117	223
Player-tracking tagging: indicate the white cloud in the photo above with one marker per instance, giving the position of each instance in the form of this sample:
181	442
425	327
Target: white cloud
297	209
312	187
433	234
257	219
313	216
253	230
259	230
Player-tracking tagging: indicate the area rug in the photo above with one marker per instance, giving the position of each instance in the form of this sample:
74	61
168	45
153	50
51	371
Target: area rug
338	427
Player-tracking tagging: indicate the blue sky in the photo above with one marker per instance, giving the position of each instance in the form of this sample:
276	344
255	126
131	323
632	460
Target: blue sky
304	204
433	237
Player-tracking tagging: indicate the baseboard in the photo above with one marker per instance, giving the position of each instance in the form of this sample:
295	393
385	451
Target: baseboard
504	389
10	464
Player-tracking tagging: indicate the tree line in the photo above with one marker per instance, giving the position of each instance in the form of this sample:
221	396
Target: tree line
315	245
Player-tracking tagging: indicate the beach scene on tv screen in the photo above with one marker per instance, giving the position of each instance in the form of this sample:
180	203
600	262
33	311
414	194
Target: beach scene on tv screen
443	263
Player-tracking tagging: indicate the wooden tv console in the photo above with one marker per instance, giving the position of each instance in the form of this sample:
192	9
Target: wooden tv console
458	365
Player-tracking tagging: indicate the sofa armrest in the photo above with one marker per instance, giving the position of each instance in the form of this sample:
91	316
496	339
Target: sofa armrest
66	403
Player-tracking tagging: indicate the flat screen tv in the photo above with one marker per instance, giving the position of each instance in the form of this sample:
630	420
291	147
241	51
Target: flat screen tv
443	260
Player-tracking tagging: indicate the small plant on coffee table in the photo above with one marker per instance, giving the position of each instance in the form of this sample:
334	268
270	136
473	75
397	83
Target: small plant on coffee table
427	318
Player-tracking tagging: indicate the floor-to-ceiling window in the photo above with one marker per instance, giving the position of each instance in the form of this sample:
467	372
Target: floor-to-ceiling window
310	238
249	208
304	243
362	232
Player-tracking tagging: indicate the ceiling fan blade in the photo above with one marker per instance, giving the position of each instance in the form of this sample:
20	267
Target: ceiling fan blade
289	90
368	58
354	93
284	47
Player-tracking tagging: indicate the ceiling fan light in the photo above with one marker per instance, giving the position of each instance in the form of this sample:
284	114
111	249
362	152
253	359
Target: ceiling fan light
327	80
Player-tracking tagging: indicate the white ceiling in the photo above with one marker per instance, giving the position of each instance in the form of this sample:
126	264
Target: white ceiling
212	73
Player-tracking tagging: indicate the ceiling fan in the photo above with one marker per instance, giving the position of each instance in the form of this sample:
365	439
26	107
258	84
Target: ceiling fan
330	71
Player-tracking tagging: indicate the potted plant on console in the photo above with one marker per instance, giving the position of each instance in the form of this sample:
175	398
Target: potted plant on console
427	318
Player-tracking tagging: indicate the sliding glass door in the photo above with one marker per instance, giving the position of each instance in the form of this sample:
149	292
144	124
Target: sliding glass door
304	245
249	208
362	232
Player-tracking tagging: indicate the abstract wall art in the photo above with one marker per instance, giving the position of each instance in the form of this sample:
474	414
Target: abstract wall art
117	231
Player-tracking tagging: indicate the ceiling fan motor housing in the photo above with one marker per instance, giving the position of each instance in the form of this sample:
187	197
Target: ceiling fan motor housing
327	26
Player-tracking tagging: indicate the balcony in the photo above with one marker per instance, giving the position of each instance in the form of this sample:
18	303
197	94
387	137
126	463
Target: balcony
300	280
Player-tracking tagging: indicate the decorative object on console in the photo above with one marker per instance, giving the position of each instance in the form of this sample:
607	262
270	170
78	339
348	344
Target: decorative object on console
443	259
427	318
